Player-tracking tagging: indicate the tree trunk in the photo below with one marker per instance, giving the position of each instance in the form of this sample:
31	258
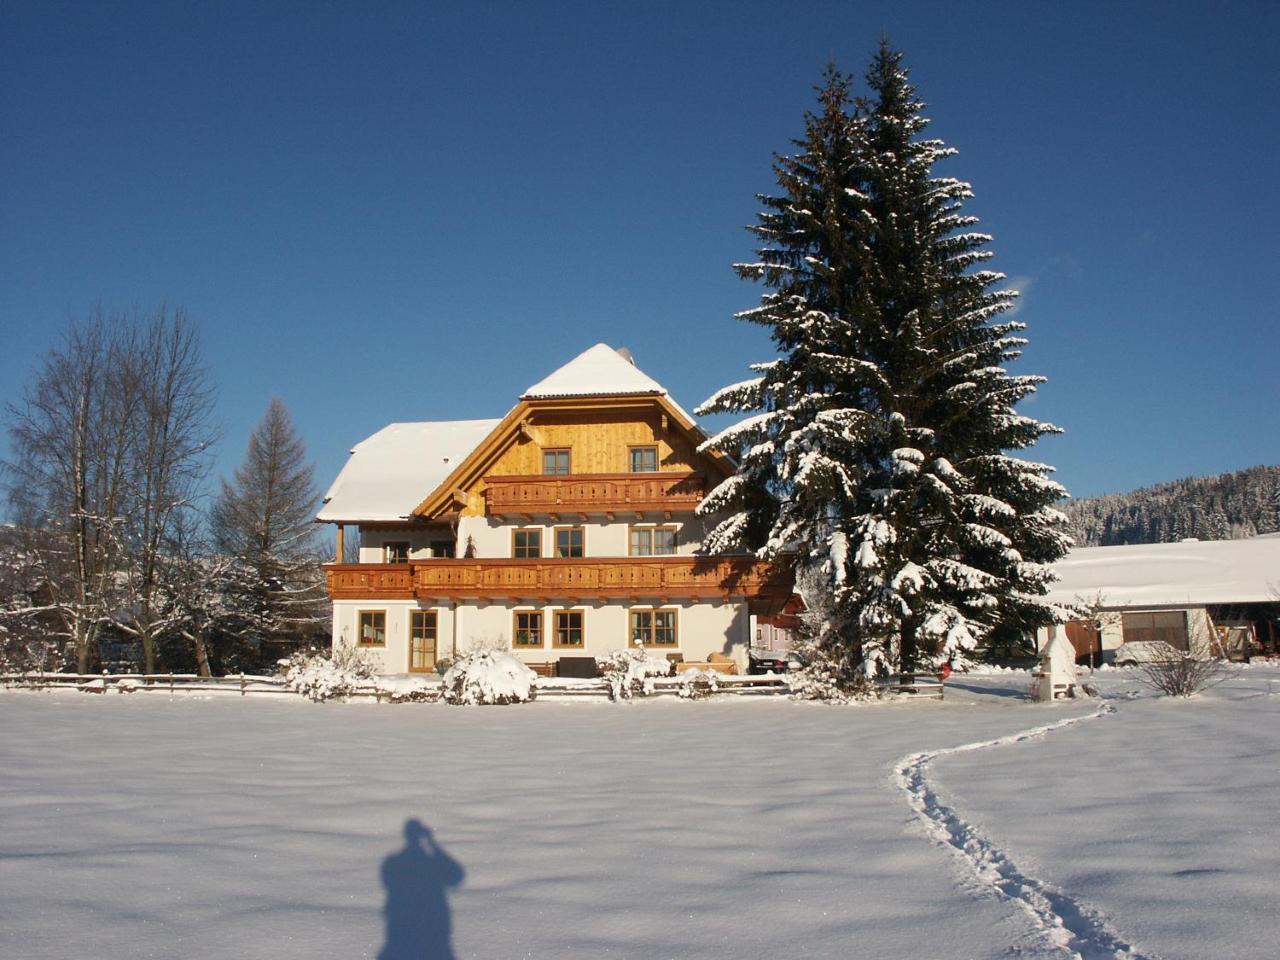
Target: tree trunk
148	651
202	653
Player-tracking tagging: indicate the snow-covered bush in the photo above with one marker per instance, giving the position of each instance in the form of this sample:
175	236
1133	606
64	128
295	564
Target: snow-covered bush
489	676
824	674
697	684
631	672
319	677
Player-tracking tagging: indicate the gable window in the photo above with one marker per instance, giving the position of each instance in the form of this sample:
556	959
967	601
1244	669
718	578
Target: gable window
569	541
373	628
395	551
651	541
653	628
526	544
422	641
568	628
526	629
555	463
644	459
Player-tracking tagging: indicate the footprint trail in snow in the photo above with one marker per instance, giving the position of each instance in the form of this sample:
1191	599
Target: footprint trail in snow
1074	930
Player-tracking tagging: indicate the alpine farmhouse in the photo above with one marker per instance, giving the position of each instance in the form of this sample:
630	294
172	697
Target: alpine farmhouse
562	532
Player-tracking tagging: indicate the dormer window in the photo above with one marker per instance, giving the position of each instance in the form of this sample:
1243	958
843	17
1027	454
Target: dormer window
555	463
644	459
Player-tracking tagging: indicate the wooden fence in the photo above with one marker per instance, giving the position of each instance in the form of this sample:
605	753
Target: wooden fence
752	685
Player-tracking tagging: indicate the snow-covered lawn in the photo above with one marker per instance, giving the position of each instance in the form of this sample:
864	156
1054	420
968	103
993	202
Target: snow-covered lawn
139	826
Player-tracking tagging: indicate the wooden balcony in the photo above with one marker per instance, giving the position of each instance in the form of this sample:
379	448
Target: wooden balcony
593	579
599	493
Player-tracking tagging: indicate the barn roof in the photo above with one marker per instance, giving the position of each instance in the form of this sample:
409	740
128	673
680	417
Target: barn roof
1190	573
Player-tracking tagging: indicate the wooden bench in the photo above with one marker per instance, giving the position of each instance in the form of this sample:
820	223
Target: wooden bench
716	661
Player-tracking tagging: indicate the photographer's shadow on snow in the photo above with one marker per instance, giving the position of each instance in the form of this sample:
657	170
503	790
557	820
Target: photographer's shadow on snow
417	878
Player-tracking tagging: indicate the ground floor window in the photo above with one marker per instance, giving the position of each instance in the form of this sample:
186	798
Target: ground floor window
653	628
422	640
568	628
1169	626
526	631
373	628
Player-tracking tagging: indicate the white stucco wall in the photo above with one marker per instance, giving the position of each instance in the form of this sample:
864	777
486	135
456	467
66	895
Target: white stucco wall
600	539
420	539
394	657
701	629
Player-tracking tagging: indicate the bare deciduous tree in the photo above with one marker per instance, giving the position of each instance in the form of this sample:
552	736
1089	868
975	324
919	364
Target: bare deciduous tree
171	440
108	445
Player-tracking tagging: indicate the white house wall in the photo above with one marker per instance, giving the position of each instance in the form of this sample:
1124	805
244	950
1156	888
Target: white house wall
394	657
701	629
420	539
600	539
493	540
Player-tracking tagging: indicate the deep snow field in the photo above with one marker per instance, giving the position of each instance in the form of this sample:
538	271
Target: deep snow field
143	826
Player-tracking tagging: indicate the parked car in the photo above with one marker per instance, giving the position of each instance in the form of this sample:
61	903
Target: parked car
1145	651
770	661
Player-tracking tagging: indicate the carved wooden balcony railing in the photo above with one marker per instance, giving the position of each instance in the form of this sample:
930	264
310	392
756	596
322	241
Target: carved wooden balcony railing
593	493
579	580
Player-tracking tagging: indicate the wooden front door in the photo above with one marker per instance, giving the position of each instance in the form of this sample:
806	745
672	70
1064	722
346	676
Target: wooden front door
422	641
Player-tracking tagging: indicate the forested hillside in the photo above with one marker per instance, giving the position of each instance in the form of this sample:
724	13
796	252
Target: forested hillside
1224	507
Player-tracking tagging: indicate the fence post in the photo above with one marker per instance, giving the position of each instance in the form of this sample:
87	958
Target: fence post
171	683
242	683
104	680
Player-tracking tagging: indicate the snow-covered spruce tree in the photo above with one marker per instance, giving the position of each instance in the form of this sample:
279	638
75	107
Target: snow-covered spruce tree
877	450
264	520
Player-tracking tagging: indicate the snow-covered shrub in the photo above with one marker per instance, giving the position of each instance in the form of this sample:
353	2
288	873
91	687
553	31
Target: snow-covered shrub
631	672
411	689
824	674
319	677
1181	676
697	684
489	676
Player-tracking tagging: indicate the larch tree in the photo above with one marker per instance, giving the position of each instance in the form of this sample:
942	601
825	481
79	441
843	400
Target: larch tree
264	519
876	454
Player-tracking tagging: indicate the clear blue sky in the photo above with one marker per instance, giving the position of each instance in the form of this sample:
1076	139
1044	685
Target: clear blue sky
413	211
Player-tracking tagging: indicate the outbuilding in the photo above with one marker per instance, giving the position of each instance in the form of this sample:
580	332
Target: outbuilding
1205	597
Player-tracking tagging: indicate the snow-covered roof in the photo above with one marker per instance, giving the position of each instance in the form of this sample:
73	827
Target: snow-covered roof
1190	573
389	473
599	371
